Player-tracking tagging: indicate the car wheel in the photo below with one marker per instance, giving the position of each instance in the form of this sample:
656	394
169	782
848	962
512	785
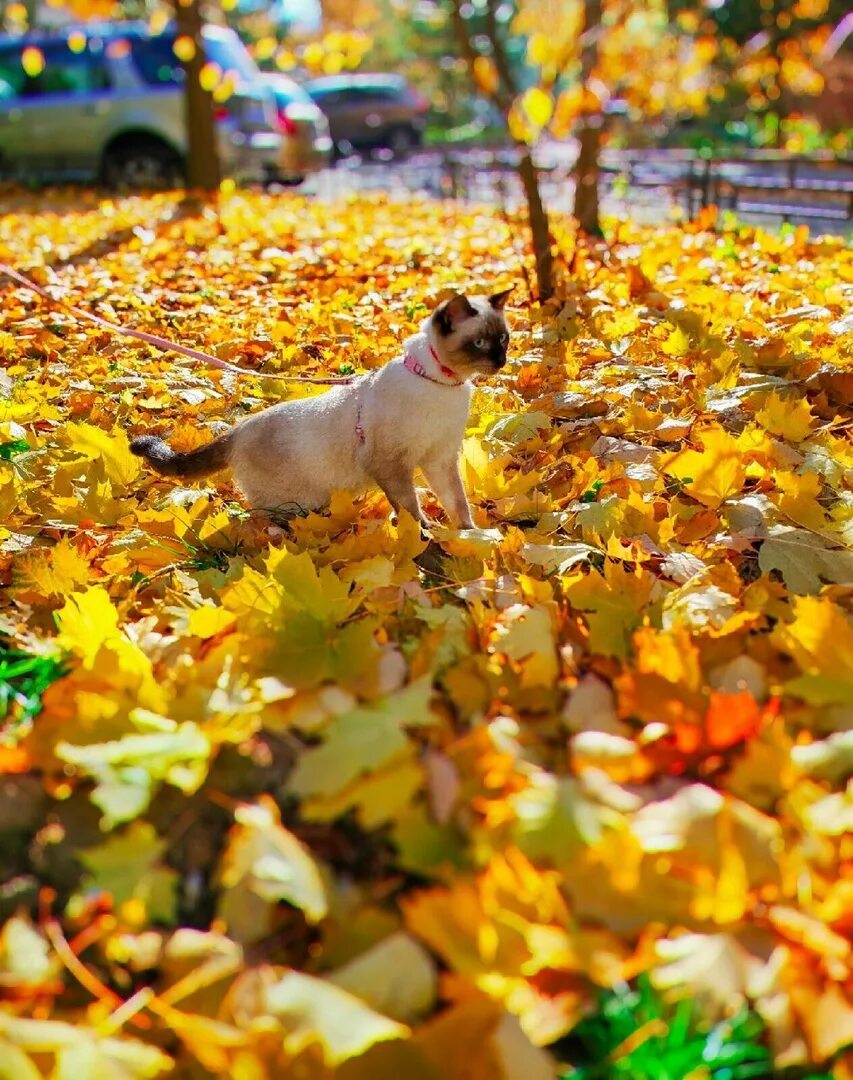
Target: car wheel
284	181
402	141
142	164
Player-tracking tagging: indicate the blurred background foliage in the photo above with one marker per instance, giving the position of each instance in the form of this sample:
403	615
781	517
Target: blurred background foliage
726	73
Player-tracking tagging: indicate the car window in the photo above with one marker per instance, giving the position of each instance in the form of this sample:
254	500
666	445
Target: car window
157	64
323	97
231	55
355	94
381	93
156	61
288	92
12	76
64	72
348	95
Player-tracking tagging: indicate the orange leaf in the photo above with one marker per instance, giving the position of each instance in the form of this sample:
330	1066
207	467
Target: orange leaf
14	759
731	718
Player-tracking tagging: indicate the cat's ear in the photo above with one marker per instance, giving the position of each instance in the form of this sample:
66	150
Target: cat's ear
498	300
450	313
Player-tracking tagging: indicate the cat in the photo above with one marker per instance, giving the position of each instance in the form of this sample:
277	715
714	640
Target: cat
372	432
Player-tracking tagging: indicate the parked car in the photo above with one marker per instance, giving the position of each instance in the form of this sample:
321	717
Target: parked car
105	102
307	144
370	111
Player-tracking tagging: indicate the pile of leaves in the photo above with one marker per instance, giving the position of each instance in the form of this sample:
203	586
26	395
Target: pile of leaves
318	798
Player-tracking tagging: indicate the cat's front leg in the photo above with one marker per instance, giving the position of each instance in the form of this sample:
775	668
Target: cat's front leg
444	478
398	483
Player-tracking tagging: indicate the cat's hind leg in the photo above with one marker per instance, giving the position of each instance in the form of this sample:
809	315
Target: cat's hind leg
398	483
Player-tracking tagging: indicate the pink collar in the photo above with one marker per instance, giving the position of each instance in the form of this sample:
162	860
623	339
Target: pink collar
417	368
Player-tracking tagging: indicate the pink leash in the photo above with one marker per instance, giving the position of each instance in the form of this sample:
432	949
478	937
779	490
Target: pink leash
163	343
214	361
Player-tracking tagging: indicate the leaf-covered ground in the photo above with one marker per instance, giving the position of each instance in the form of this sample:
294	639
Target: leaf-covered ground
294	801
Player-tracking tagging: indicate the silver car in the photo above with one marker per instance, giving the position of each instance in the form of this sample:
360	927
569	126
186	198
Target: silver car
106	103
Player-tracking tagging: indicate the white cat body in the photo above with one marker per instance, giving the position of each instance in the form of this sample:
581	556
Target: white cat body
375	431
297	453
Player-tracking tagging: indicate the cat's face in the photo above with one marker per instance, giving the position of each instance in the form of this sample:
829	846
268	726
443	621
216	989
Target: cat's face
471	333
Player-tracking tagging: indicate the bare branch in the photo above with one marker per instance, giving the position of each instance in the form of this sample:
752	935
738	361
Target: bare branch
505	72
502	95
590	37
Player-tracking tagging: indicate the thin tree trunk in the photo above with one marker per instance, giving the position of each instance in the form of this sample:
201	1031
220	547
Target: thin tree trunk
784	108
586	177
587	166
503	96
539	227
202	158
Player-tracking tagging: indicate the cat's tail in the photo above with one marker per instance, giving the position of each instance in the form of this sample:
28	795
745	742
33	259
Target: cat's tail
199	462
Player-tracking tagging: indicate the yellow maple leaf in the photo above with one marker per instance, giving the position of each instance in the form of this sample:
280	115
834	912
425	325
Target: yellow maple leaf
797	498
254	597
8	494
263	864
112	450
313	1011
319	593
526	635
722	892
86	621
57	571
217	529
73	1044
612	603
820	639
378	797
208	621
404	998
361	741
25	955
128	867
669	653
788	416
677	343
712	474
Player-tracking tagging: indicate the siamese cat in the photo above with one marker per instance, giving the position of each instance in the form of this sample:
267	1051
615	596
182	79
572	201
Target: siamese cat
372	432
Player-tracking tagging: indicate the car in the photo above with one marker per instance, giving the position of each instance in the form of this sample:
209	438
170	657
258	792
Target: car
370	111
105	102
304	127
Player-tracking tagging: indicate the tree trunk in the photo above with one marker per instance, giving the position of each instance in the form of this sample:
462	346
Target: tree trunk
539	228
202	158
32	7
586	176
503	95
587	167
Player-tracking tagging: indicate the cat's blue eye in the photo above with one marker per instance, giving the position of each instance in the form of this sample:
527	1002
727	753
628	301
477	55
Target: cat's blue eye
480	343
504	339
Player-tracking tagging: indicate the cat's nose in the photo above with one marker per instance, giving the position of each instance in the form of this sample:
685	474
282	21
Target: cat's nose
499	362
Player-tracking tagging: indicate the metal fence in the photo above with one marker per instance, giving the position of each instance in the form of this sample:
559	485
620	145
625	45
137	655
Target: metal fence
816	188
